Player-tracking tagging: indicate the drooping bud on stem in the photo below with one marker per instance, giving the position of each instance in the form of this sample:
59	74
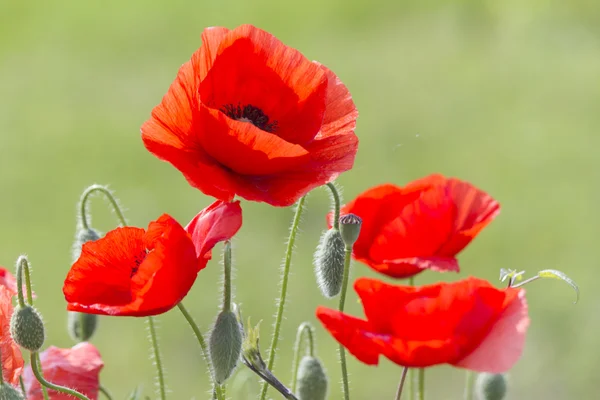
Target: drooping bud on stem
329	263
490	386
312	379
81	326
350	228
225	345
27	328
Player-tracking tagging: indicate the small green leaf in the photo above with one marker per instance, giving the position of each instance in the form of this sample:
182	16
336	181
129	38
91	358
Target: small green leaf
554	274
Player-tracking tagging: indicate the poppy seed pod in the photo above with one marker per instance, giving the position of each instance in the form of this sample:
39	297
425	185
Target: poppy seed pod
81	326
27	328
8	392
329	263
490	386
350	228
225	345
312	379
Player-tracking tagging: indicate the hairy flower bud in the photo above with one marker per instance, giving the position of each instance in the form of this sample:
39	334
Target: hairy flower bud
82	236
8	392
329	263
490	386
225	345
81	326
350	228
27	328
312	379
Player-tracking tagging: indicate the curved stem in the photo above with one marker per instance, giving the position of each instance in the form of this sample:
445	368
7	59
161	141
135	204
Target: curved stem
401	384
227	277
421	393
113	201
469	378
336	201
342	350
36	371
217	392
307	328
105	392
157	359
284	282
23	267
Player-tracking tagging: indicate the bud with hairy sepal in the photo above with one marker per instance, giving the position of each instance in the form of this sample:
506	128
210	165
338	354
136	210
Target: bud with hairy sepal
81	326
329	263
27	328
312	379
8	392
225	345
350	228
82	236
490	386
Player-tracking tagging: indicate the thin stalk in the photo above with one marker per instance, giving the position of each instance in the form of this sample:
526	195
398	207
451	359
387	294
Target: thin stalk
421	394
22	385
44	389
336	202
23	269
401	384
227	277
342	350
36	371
113	201
217	392
284	283
411	371
307	328
469	378
157	359
105	392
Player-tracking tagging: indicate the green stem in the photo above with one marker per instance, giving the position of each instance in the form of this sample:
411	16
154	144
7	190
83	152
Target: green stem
23	268
421	394
36	371
22	385
217	392
342	350
105	392
113	201
401	384
469	378
307	328
411	371
336	201
284	284
157	359
227	277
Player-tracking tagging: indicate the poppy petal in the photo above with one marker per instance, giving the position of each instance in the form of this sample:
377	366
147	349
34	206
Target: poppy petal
12	360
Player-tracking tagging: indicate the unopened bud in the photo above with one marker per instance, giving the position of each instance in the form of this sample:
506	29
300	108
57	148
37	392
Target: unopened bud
490	386
350	228
225	345
27	328
81	326
312	379
8	392
329	263
82	236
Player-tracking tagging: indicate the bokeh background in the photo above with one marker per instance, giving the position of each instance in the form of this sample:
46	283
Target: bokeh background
503	94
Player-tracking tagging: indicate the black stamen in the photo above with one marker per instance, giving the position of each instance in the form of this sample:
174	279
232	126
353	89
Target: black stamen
138	259
250	113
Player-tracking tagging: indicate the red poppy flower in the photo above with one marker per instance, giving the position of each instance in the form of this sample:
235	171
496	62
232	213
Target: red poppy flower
77	368
421	226
135	272
8	281
249	116
468	324
12	360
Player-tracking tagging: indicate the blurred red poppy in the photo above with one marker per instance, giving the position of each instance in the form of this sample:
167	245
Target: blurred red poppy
77	368
468	324
135	272
423	225
252	117
12	360
8	281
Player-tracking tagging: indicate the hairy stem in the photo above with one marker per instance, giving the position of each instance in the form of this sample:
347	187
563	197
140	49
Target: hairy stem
157	359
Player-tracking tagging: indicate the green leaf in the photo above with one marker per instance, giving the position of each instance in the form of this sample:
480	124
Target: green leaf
554	274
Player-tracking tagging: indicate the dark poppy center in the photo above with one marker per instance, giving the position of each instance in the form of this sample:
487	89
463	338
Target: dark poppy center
137	260
250	113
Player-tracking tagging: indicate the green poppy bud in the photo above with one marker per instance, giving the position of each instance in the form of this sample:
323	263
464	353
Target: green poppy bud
8	392
350	228
329	263
27	328
490	386
225	345
82	236
312	379
81	326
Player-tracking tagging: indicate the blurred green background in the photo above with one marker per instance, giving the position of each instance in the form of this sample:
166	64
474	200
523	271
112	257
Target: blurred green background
503	94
